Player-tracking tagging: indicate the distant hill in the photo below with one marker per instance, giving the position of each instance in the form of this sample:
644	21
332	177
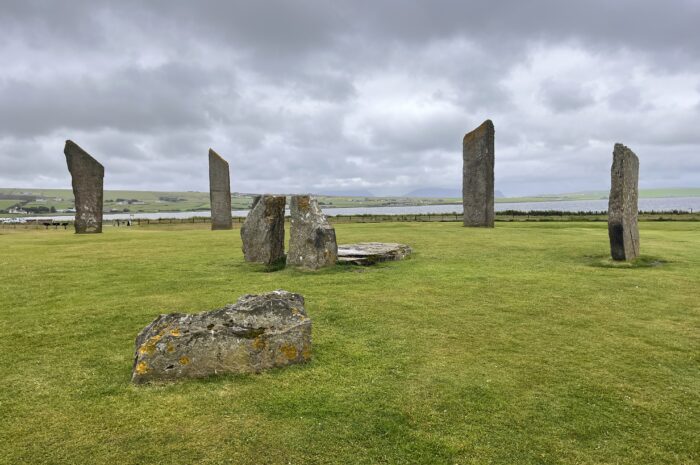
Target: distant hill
440	192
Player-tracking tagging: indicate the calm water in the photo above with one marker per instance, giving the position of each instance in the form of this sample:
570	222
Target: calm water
662	204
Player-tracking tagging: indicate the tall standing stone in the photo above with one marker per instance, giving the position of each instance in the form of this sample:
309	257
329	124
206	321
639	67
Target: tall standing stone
312	241
219	192
87	179
622	204
477	176
262	233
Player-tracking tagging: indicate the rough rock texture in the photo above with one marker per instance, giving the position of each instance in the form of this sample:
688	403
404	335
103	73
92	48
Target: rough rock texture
622	205
262	232
312	242
369	253
88	175
477	176
219	192
256	333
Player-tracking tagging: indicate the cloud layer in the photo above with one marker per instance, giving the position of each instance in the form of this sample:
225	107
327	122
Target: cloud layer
316	95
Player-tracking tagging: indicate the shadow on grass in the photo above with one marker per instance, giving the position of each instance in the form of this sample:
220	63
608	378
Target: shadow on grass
604	261
241	379
281	265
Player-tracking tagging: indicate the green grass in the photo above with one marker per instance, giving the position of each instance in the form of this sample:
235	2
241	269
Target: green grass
518	345
5	204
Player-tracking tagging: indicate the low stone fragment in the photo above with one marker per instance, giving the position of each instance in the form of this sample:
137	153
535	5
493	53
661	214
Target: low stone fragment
262	233
87	177
369	253
623	229
312	241
256	333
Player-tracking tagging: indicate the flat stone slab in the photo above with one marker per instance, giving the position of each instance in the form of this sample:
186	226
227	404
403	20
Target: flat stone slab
256	333
369	253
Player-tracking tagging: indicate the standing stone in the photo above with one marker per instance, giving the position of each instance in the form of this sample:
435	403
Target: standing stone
622	204
477	176
219	192
88	175
312	242
256	333
262	232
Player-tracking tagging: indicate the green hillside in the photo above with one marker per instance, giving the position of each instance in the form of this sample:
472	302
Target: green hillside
56	200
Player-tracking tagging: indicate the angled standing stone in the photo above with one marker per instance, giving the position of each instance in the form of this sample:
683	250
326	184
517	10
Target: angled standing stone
87	179
312	242
262	232
219	192
622	204
477	176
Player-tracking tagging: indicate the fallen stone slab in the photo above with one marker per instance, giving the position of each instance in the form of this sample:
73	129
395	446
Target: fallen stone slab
312	243
369	253
256	333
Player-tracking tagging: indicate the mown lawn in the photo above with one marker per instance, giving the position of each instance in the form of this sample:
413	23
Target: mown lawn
517	345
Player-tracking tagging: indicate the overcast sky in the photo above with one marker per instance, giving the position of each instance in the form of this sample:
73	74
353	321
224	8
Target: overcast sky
345	95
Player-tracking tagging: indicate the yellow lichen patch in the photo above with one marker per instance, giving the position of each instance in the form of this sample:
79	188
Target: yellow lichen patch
259	343
306	353
170	348
175	332
289	351
303	202
149	346
141	368
295	311
184	360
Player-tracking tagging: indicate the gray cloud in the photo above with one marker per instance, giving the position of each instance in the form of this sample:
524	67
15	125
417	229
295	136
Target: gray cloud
349	94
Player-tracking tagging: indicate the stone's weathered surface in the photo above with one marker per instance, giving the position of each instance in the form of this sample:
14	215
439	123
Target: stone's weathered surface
262	232
477	176
87	179
622	204
312	242
219	192
256	333
369	253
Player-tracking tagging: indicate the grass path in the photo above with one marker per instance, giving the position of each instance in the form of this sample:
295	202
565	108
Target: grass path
522	344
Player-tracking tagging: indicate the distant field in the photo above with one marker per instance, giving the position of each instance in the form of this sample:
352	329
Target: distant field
154	202
521	344
5	204
596	195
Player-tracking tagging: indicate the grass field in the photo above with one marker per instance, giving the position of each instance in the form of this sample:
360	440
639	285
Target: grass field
518	345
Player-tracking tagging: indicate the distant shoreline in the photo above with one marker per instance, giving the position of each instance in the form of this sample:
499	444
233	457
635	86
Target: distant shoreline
59	202
597	206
